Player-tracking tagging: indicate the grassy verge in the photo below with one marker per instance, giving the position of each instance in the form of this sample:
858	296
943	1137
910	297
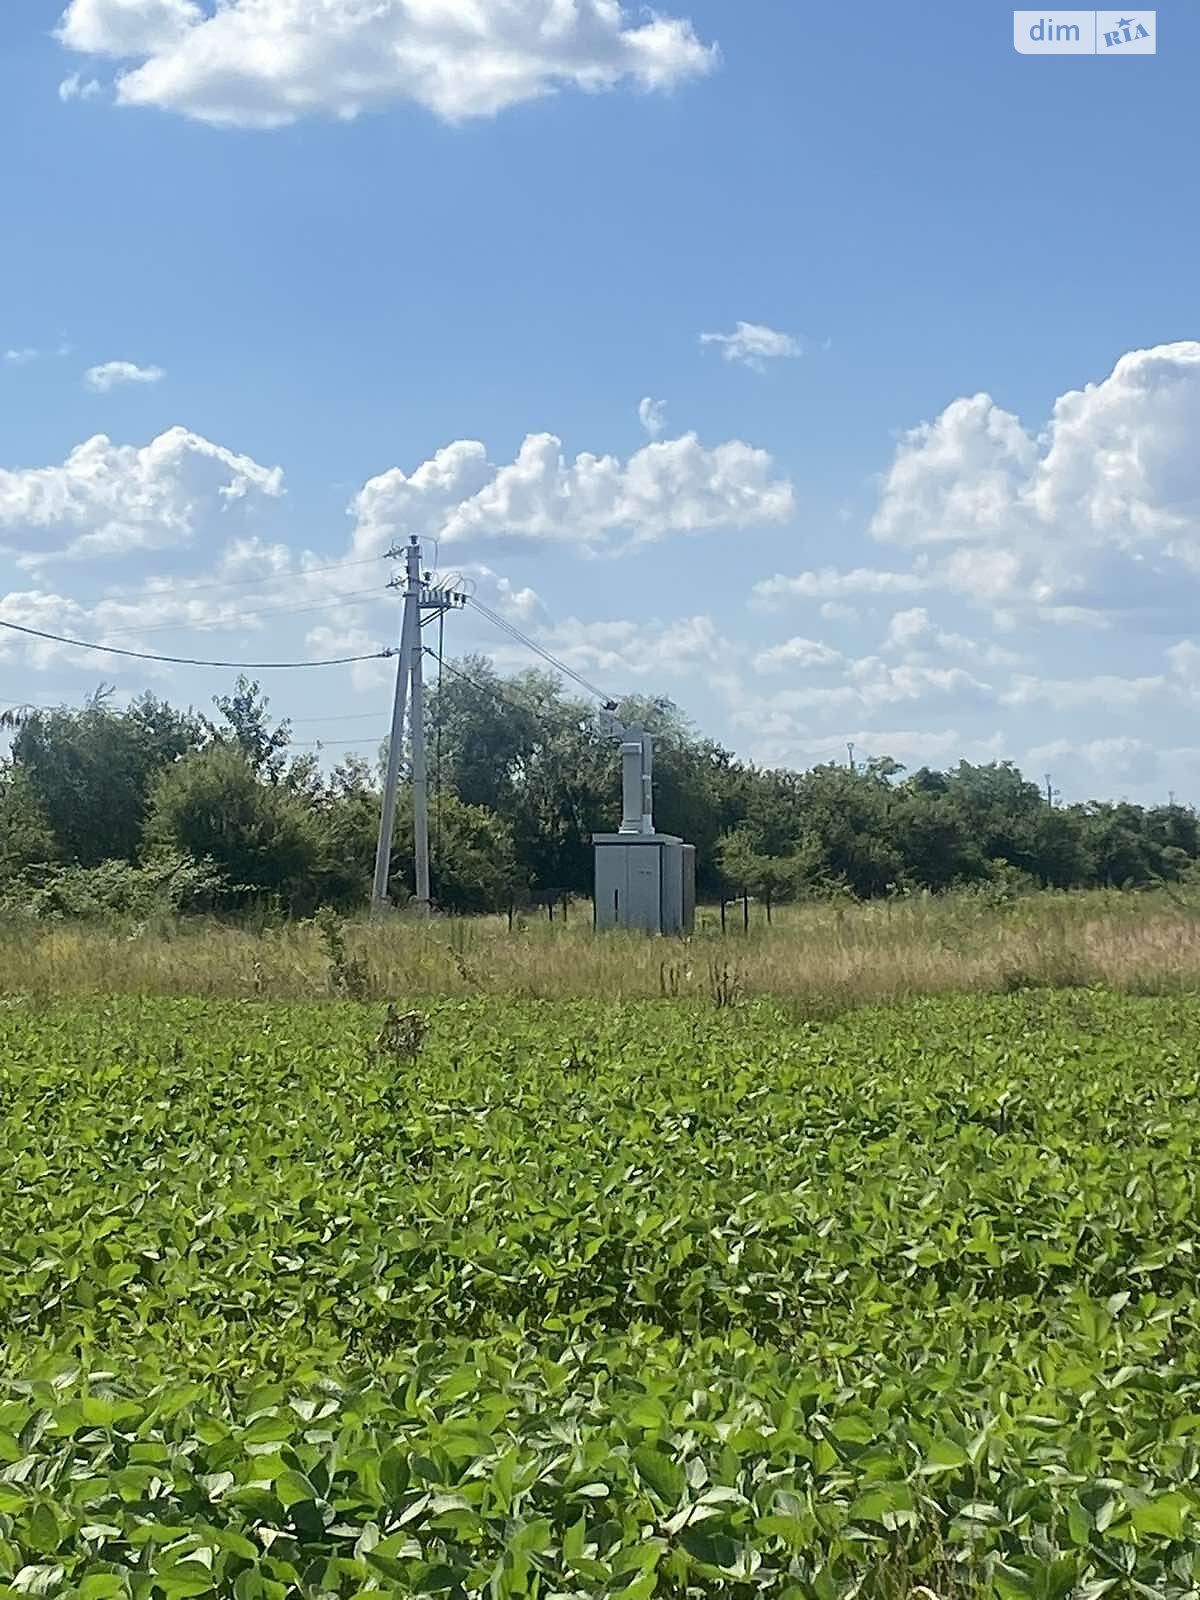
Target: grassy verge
823	957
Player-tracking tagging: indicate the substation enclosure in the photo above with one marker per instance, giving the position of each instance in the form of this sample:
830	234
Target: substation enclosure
648	882
644	880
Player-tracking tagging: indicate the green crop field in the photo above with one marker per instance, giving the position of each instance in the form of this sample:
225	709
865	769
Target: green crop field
598	1299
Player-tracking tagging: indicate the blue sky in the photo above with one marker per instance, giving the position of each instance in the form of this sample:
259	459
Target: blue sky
368	263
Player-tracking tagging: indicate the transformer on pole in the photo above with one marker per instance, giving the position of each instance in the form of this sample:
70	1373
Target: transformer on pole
644	879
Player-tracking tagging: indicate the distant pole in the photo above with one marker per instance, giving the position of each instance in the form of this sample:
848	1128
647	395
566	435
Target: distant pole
850	750
410	637
1049	792
420	783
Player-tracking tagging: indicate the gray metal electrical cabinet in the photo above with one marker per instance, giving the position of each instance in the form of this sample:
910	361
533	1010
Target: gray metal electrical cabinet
645	881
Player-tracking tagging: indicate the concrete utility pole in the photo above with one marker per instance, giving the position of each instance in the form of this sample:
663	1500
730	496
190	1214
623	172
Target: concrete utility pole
410	635
420	785
419	598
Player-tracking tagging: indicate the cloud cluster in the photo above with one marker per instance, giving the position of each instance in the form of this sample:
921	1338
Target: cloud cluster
115	374
1121	759
800	654
1095	514
75	87
267	63
108	499
1098	511
672	486
652	414
914	634
833	586
753	345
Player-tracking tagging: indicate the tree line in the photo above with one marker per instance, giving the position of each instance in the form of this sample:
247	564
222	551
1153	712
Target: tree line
155	806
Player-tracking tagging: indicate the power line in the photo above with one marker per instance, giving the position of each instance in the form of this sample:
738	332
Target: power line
334	744
337	716
531	644
221	624
191	661
235	583
498	694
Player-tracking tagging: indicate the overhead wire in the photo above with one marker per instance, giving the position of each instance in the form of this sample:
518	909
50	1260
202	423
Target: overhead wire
192	661
531	644
443	666
338	716
235	583
331	744
498	694
223	624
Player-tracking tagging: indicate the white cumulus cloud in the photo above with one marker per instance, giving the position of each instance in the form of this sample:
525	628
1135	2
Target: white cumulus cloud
266	63
652	414
672	486
829	584
327	643
869	684
619	649
915	634
1097	511
753	345
1106	690
1121	759
76	87
113	374
800	653
107	499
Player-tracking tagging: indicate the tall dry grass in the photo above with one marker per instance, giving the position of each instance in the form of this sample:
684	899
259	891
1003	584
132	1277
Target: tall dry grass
824	957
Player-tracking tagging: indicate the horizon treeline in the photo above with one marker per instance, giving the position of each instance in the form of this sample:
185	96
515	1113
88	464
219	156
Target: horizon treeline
159	808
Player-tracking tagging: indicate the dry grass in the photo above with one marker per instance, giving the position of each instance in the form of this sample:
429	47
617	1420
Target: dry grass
823	958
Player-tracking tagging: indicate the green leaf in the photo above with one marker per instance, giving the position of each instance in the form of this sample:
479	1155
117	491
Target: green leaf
1165	1517
103	1586
293	1488
38	1579
943	1456
664	1475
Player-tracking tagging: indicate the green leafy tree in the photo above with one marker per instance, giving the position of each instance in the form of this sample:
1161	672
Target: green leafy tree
345	807
263	839
89	772
26	836
1122	853
935	840
475	866
743	869
1002	809
247	726
848	827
